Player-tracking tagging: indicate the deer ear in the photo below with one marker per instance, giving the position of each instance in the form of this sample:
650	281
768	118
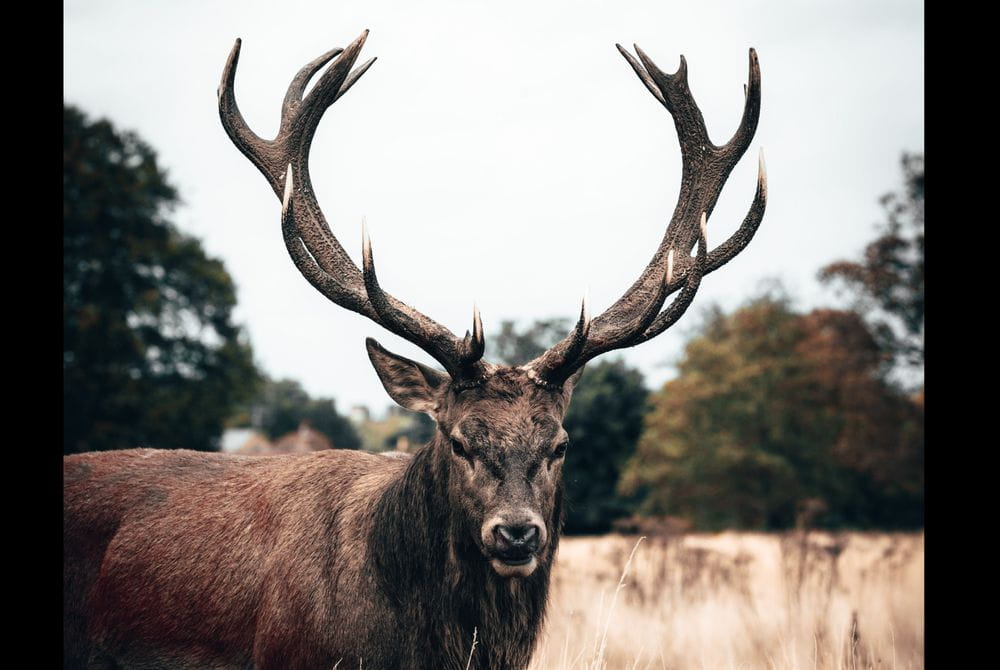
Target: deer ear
413	385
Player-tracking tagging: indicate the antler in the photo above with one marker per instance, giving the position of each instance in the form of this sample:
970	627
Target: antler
636	316
317	254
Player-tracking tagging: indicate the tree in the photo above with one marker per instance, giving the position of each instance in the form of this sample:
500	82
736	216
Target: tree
282	405
515	347
888	282
604	422
417	432
773	410
879	445
151	356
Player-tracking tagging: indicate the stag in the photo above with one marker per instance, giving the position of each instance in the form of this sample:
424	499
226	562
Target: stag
178	559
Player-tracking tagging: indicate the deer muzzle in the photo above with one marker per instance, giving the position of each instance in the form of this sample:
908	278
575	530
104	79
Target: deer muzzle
513	541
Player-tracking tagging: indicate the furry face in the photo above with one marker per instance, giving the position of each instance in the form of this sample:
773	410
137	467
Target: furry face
504	446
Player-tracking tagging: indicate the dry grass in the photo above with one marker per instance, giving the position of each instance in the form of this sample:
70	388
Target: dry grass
737	600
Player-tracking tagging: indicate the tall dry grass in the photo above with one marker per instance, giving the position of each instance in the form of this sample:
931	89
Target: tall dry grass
737	600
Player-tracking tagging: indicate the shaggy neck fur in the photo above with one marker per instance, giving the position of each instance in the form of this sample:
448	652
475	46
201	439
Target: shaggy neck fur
439	583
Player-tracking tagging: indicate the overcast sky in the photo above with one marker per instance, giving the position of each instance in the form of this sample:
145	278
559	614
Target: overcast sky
505	153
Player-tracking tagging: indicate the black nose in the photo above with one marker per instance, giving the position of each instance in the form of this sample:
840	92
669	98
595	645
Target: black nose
520	539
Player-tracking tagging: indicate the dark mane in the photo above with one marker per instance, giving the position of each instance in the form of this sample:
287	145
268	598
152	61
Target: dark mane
438	583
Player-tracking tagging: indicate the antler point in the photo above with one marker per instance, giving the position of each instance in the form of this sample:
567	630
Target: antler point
366	242
762	170
287	197
477	322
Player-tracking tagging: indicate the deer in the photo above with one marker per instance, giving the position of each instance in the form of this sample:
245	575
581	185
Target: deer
345	559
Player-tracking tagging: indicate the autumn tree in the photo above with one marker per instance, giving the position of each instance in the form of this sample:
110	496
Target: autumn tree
773	410
604	422
151	355
887	284
879	445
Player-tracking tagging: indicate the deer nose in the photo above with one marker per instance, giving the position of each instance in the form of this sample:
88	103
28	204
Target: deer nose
517	538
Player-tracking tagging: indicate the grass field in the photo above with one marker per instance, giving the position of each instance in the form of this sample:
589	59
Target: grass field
736	600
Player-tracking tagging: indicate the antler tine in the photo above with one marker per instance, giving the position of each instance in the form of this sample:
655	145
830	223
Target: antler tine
545	370
705	169
246	140
738	241
298	85
475	342
459	357
741	139
314	249
341	294
669	316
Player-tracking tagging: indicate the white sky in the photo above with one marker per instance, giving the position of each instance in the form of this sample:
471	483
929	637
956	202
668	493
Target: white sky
505	153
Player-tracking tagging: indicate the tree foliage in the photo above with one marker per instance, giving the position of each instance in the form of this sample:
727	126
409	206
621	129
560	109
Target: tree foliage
515	347
774	413
604	422
151	356
282	405
887	284
419	430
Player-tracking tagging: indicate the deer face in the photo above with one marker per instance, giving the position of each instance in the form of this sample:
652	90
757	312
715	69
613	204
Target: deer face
503	445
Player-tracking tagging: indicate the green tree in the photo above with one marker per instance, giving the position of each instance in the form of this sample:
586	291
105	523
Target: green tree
773	410
418	432
282	405
887	284
151	356
604	422
514	347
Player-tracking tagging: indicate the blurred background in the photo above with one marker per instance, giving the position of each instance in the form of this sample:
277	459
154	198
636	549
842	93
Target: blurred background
505	154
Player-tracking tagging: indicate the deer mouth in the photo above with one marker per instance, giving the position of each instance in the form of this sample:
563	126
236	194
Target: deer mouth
514	561
514	567
507	560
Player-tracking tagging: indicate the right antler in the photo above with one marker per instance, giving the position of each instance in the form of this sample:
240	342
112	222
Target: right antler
636	316
317	254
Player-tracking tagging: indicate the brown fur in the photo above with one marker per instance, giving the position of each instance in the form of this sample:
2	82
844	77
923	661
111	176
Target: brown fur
182	559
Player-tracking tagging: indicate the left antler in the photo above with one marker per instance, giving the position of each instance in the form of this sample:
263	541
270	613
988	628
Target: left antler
636	316
317	254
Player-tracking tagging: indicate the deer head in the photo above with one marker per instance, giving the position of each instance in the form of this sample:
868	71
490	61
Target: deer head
500	442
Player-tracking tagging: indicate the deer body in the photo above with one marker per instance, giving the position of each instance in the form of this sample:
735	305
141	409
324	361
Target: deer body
350	560
210	560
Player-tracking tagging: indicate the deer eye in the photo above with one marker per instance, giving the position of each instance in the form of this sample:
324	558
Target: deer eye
560	449
458	449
